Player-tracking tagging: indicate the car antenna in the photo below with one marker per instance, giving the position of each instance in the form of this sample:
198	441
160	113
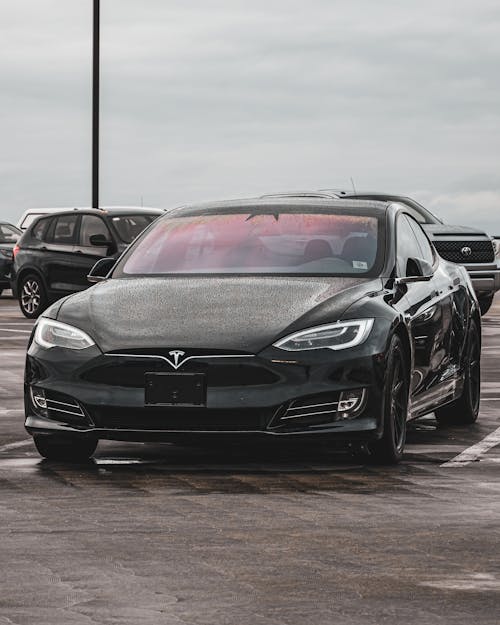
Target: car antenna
353	187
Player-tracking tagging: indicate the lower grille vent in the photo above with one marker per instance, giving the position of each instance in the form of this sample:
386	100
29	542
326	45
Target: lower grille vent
312	410
63	408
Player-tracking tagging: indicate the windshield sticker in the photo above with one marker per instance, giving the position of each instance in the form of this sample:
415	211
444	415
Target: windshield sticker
359	264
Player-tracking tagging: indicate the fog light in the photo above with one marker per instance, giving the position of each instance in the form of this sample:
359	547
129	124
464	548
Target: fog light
351	403
38	400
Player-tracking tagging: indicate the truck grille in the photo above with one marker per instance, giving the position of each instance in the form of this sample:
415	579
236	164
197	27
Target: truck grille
456	251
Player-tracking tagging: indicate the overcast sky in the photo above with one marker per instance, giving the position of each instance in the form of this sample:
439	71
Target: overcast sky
206	100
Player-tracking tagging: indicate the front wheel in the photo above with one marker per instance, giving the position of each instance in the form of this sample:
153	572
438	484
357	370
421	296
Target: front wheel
66	449
389	449
465	409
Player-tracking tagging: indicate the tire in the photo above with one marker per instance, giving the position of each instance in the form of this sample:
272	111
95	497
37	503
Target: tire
389	449
485	302
32	296
66	449
465	409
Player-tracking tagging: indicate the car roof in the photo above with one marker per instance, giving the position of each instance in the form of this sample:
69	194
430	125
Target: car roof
277	201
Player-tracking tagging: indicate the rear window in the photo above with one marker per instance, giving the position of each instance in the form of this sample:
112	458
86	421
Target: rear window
284	242
40	228
9	234
129	227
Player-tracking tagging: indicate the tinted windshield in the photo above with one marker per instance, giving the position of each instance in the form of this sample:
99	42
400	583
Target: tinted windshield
9	234
129	227
285	242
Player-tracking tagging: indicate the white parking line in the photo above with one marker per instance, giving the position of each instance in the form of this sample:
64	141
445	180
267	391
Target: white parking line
471	454
17	444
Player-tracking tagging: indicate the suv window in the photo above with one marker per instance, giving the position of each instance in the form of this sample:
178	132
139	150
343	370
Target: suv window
406	244
40	229
423	242
91	224
64	230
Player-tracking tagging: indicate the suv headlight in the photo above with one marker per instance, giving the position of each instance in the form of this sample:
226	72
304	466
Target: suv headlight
50	333
340	335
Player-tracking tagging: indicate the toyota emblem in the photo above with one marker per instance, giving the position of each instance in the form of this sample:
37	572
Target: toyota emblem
466	251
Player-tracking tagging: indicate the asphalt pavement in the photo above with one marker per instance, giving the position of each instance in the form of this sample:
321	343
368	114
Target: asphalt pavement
159	534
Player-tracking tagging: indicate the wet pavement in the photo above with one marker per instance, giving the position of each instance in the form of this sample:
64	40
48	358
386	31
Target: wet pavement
159	534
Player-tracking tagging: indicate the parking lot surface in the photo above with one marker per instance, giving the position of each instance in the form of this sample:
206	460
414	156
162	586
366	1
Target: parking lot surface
156	534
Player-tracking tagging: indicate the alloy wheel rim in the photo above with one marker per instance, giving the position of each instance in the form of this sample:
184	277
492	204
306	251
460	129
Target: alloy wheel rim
398	405
30	296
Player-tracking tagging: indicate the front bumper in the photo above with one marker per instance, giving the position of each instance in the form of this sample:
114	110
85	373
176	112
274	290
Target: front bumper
484	278
102	396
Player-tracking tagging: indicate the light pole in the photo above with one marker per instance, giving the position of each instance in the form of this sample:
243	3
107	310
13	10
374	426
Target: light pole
95	103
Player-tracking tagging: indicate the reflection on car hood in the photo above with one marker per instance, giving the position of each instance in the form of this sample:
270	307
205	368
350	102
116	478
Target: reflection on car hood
437	230
244	314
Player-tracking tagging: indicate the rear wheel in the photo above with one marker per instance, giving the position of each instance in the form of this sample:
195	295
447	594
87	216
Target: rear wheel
485	302
67	449
32	296
465	409
389	449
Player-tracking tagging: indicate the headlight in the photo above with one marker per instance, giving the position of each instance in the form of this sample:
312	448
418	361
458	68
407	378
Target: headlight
340	335
7	254
50	333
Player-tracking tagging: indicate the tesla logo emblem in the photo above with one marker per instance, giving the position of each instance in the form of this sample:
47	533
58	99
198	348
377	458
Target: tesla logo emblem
176	354
466	251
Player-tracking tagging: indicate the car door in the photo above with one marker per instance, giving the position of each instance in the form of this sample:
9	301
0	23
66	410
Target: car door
428	307
86	254
58	254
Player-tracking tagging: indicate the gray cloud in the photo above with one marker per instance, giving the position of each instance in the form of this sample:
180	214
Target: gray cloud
215	99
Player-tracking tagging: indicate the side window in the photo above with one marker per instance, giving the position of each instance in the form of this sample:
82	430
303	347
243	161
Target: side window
64	230
91	224
423	242
39	229
406	244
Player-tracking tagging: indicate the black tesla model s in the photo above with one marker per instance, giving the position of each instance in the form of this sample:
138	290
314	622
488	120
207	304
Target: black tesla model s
281	317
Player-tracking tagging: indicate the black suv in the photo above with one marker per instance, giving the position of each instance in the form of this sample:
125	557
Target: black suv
9	235
55	254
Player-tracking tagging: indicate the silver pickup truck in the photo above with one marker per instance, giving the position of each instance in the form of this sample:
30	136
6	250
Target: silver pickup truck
470	247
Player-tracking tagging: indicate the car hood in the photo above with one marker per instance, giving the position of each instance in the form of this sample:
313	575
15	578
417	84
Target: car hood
438	230
244	314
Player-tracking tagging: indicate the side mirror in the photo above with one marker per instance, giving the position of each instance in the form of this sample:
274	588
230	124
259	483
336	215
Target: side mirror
101	269
417	270
99	240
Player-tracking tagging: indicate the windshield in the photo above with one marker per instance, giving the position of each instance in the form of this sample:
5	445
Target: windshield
9	234
284	242
129	227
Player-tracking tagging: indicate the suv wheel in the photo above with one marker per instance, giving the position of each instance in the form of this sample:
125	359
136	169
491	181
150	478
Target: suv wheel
485	302
66	449
32	296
